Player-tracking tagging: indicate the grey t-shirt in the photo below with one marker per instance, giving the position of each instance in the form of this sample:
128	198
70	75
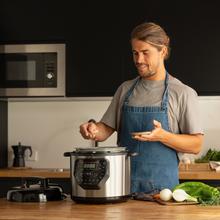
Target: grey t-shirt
183	106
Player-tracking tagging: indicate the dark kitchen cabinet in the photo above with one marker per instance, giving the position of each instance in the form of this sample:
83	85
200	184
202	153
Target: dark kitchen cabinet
7	183
3	134
96	33
95	54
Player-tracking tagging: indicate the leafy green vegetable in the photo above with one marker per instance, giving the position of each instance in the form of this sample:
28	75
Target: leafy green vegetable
210	155
205	194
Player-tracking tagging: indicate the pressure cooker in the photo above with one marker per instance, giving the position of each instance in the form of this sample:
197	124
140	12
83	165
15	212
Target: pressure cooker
100	174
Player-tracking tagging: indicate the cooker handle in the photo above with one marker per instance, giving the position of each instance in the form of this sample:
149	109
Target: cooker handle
132	154
67	154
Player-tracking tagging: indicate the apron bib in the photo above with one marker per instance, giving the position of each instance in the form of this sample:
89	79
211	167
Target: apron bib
156	166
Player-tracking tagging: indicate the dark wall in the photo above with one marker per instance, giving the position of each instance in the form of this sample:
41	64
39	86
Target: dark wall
3	134
97	37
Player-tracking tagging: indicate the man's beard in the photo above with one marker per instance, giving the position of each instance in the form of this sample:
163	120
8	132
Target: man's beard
147	73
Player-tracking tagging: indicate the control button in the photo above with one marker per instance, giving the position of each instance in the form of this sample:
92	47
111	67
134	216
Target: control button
50	75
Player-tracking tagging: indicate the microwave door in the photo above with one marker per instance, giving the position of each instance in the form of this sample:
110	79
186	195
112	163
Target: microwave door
21	71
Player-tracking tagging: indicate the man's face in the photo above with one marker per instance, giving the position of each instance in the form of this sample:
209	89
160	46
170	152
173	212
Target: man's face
147	58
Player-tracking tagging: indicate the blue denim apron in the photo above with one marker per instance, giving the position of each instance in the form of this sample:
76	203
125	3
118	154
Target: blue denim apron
156	166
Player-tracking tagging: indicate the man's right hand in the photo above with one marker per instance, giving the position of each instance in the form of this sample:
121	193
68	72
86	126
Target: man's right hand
89	130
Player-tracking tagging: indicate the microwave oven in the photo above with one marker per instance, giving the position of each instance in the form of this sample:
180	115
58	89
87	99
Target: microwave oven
33	70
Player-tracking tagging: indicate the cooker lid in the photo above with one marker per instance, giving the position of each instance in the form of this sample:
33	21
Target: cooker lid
100	150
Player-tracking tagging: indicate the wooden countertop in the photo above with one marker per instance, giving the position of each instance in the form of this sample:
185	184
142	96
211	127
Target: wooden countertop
130	210
186	171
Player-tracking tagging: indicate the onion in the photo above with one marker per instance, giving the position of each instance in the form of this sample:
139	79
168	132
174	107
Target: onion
166	194
180	195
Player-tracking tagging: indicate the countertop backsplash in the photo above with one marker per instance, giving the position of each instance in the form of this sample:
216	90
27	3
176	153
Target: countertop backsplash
52	128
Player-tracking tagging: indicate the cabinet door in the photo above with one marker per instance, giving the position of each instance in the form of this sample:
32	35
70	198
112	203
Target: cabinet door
3	134
97	37
95	53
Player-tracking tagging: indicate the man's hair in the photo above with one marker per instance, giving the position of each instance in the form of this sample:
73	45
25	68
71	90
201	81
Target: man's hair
153	34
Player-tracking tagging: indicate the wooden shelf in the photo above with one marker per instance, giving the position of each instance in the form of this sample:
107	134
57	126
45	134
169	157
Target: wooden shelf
199	175
195	167
48	173
186	171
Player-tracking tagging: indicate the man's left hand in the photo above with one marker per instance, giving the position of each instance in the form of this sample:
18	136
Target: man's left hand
155	135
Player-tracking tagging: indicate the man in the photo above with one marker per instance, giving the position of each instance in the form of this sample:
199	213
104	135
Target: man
154	102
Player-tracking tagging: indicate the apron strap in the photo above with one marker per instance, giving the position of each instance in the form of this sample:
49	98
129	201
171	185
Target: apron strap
128	94
164	102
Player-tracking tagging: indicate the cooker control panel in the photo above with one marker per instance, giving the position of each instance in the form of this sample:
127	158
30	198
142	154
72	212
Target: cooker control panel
91	173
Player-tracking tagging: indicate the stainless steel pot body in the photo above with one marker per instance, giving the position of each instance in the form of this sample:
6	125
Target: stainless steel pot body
100	176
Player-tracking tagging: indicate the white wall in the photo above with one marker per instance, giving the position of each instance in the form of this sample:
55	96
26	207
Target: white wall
52	128
210	116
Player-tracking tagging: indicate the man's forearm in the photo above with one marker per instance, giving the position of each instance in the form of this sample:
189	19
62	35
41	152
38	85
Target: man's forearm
104	131
183	142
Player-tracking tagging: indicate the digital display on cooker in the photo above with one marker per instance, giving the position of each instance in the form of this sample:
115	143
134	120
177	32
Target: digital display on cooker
89	165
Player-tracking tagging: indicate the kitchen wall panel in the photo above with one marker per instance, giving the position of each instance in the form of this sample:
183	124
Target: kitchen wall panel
97	36
52	128
3	134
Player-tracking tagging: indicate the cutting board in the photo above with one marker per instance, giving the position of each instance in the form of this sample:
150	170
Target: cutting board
171	202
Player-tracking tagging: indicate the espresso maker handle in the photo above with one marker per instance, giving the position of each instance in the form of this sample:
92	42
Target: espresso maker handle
30	149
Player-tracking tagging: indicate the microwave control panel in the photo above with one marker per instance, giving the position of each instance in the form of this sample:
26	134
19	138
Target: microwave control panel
50	70
91	173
